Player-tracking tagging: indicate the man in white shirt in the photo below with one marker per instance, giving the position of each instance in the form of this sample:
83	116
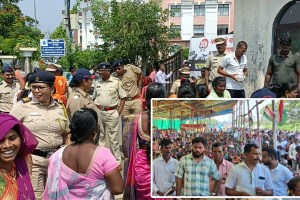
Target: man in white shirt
280	174
164	168
249	178
161	76
234	68
293	153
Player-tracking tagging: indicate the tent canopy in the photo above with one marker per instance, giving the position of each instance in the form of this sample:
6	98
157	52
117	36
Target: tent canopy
187	109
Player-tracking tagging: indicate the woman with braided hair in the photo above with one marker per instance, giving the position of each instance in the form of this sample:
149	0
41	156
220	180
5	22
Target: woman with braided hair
138	179
83	170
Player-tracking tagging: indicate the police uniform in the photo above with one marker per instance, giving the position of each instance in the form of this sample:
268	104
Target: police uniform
177	83
213	62
107	96
79	98
7	91
133	104
48	124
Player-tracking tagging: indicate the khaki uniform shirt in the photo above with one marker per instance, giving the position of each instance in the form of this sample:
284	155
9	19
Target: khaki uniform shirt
108	93
79	99
130	79
47	124
175	87
7	94
213	62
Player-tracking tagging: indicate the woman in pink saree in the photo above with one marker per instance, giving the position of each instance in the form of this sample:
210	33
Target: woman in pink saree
83	170
138	180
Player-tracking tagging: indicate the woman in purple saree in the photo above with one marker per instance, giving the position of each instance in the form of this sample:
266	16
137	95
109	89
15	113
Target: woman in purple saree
138	180
16	142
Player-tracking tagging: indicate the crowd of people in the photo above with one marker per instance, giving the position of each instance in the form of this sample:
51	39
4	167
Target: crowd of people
55	127
212	163
63	139
224	74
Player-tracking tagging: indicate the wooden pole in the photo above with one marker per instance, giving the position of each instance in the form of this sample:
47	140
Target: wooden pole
171	115
244	119
240	119
233	113
274	126
258	130
249	114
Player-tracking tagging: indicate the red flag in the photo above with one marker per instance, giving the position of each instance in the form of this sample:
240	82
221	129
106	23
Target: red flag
280	110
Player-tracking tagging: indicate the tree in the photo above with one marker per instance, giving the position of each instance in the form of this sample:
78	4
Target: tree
132	30
59	32
17	30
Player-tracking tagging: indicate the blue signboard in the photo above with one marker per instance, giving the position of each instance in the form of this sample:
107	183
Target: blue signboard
52	47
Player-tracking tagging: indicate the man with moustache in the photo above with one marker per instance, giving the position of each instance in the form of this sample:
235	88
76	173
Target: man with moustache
280	174
223	166
194	171
213	62
109	97
249	178
283	67
8	88
164	168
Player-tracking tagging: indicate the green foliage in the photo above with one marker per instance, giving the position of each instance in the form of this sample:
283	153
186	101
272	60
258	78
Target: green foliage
185	53
58	33
132	29
17	30
9	1
80	59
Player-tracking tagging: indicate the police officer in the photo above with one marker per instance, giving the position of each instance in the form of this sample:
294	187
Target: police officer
131	77
184	74
8	88
213	62
79	97
47	120
109	96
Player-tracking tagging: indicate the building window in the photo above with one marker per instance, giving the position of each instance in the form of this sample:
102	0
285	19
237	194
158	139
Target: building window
199	10
175	10
176	30
287	25
223	9
222	29
198	30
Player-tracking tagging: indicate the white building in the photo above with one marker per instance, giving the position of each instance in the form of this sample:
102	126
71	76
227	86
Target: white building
191	17
85	36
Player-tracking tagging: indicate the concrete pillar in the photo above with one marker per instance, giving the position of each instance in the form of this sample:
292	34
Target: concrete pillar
211	18
84	31
187	19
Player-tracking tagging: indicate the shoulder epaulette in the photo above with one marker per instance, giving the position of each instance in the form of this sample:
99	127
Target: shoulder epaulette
114	74
25	100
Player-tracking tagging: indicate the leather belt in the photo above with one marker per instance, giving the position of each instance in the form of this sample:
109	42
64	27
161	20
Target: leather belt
132	98
106	108
44	153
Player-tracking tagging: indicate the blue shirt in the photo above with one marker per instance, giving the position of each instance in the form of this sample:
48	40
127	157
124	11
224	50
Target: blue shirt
280	177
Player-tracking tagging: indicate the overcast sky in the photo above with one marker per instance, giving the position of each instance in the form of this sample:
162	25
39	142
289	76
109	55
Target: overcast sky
48	12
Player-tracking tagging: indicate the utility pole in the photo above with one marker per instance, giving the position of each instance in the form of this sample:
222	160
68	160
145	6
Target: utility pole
35	22
67	19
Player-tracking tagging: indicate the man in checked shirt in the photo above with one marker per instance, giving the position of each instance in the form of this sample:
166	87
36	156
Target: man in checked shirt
194	171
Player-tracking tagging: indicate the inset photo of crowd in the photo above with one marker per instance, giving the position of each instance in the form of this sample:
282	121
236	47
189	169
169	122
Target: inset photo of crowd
225	148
